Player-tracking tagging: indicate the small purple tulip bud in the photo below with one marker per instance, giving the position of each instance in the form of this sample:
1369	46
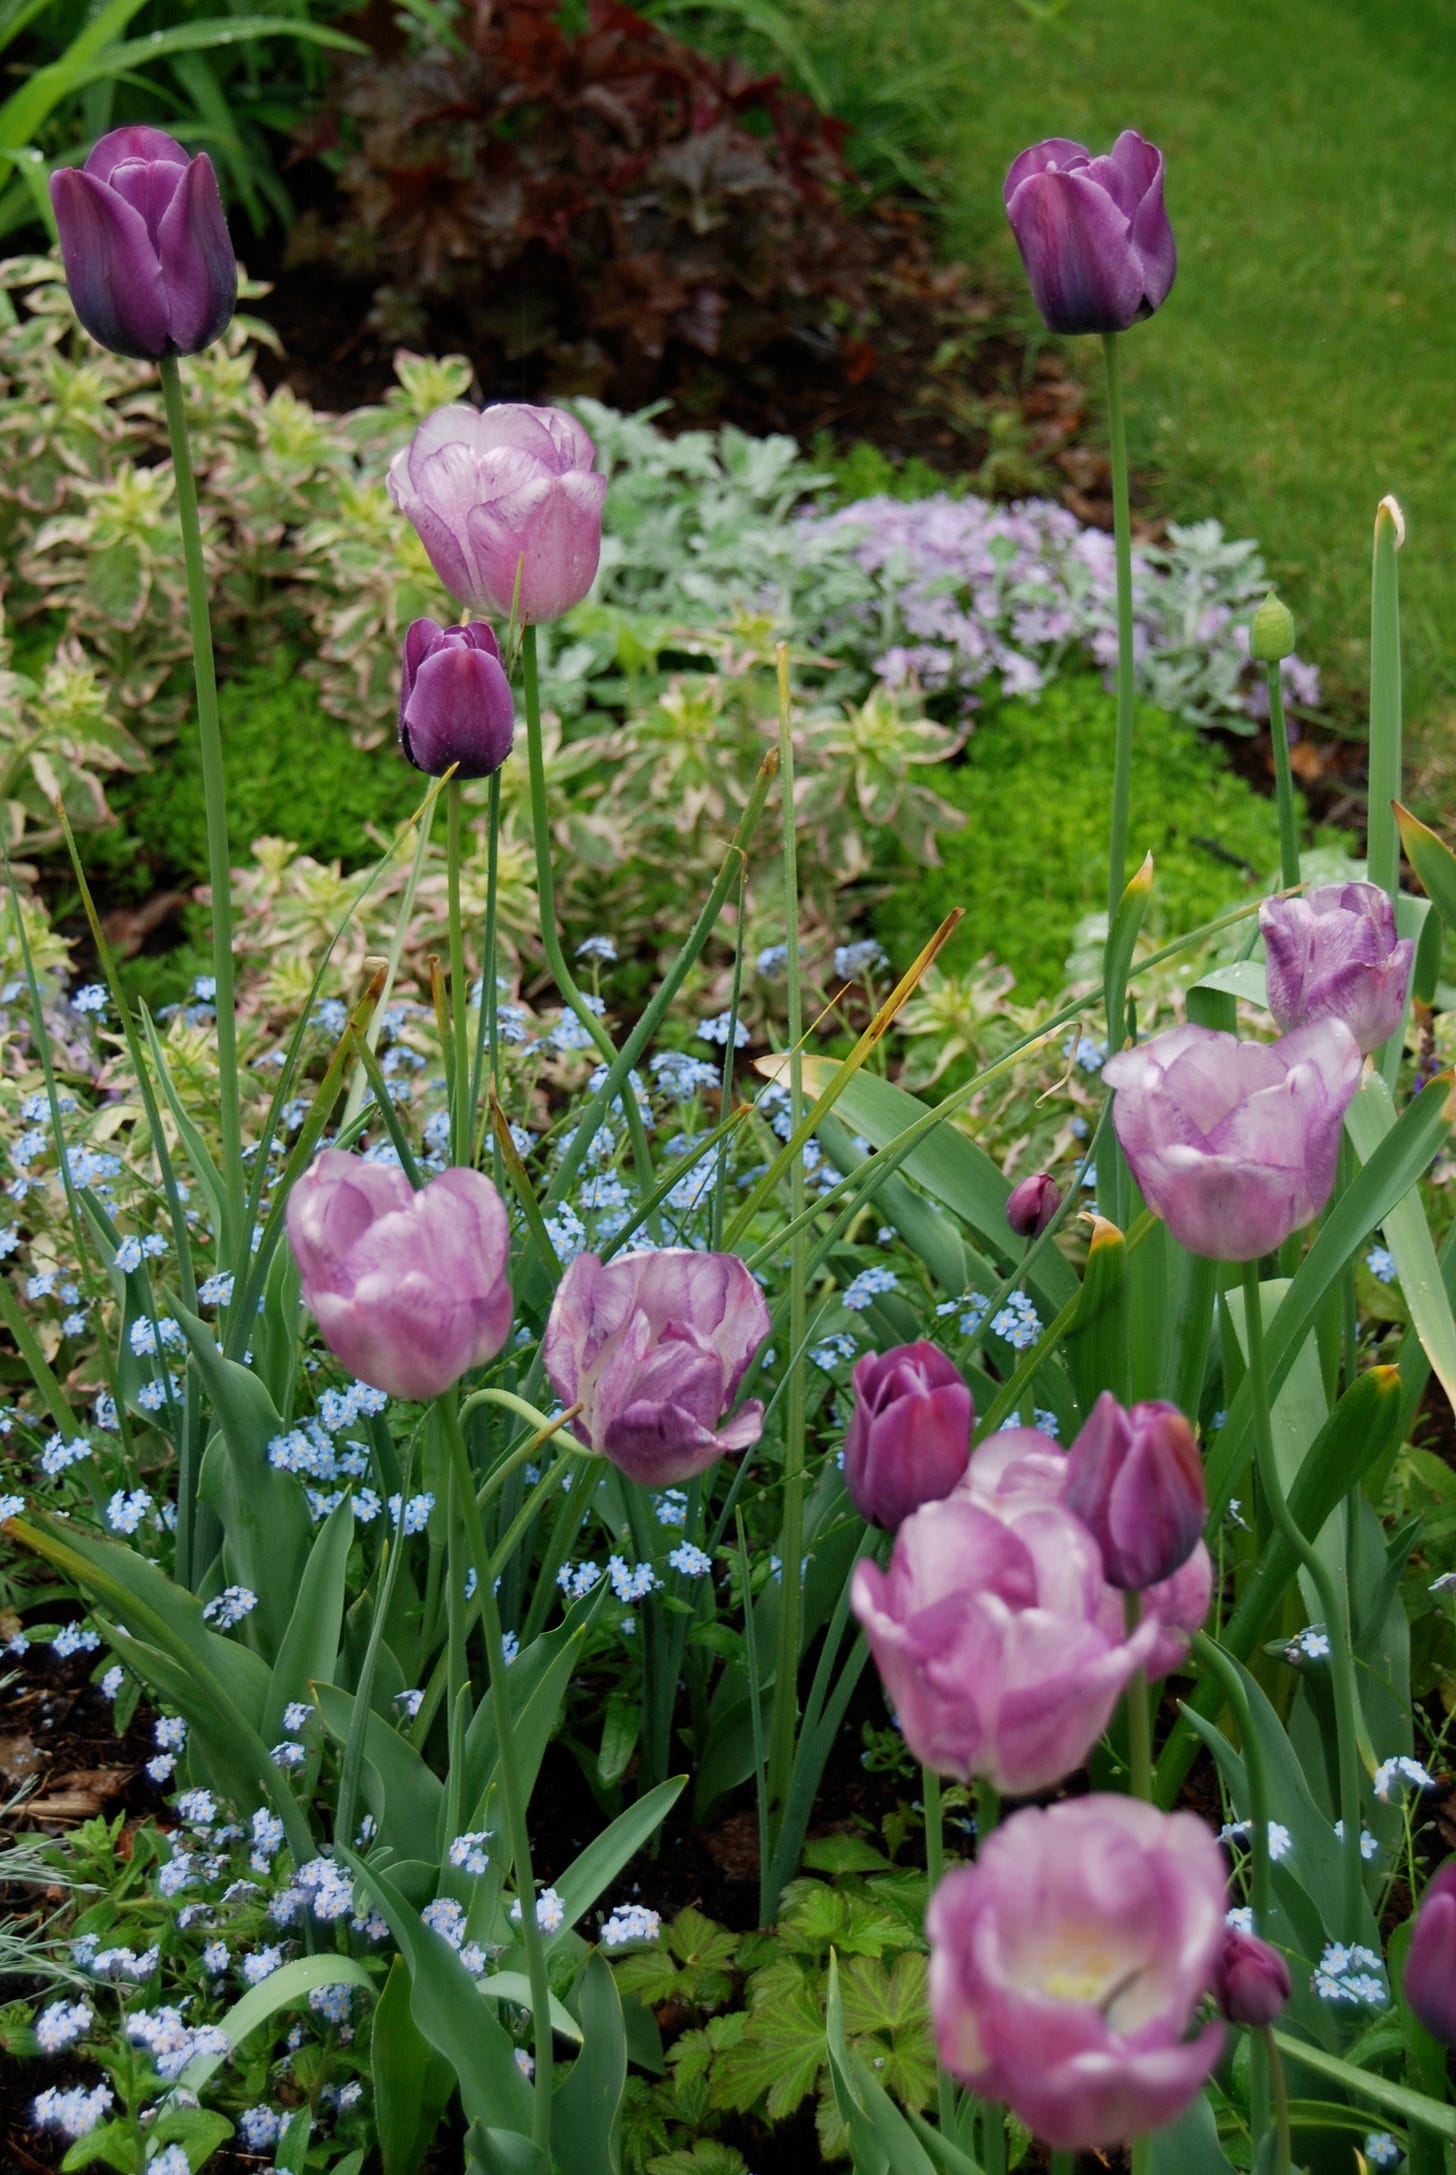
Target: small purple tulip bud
1334	954
1033	1204
502	492
1093	234
1135	1480
1251	1982
1430	1961
909	1437
145	246
1234	1143
455	701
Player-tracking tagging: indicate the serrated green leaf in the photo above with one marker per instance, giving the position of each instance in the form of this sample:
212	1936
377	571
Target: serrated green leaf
816	1917
877	2000
777	2059
836	1854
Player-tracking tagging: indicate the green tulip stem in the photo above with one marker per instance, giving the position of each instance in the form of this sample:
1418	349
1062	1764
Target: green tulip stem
1135	1703
934	1874
1283	2154
487	1028
460	1080
1213	1657
219	858
1063	2163
1122	757
1342	1662
517	1835
1283	782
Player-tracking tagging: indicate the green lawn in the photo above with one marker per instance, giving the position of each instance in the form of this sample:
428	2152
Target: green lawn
1303	364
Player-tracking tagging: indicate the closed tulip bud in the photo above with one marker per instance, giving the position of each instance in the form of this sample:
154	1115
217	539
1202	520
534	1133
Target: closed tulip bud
1271	632
909	1437
1093	234
1430	1961
455	701
1033	1204
504	495
1135	1480
145	246
1251	1983
409	1289
1334	954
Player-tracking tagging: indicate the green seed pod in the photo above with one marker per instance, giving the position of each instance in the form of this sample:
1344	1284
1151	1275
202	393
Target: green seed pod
1271	637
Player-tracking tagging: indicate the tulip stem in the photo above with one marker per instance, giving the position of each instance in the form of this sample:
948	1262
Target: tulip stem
1122	536
460	1080
1342	1662
934	1874
1135	1702
219	858
1283	782
487	1030
517	1834
1063	2163
1283	2155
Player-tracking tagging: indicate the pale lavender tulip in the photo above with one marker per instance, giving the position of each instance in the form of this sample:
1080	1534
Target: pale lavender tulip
1234	1143
988	1639
145	245
494	490
1018	1470
1093	234
1430	1961
1251	1984
1334	954
1066	1965
653	1347
455	700
909	1434
1135	1479
409	1289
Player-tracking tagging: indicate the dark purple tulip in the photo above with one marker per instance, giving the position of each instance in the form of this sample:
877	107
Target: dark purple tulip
1430	1962
1135	1479
1251	1983
1093	234
1234	1143
1334	954
1033	1204
145	246
455	701
909	1437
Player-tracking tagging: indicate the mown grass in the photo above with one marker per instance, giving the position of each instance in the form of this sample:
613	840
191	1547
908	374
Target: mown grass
1302	365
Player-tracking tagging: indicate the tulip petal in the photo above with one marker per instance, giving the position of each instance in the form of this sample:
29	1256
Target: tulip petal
1076	245
197	255
112	272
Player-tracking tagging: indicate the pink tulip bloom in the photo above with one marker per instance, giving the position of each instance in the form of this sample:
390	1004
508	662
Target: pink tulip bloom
409	1289
1251	1985
1430	1961
1067	1962
910	1433
1094	237
145	245
494	490
1234	1143
1135	1479
990	1640
455	700
653	1347
1334	954
1033	1204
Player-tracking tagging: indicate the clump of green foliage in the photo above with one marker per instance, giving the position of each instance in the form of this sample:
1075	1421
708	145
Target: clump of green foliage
1034	786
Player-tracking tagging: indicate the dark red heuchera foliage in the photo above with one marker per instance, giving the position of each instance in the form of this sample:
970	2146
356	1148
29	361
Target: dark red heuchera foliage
609	195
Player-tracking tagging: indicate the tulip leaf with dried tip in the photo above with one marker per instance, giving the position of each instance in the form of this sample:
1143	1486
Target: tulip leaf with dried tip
1370	1121
1386	781
1095	1342
1433	862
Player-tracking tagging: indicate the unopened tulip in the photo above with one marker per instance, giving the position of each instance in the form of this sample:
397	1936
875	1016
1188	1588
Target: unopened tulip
1066	1965
502	493
1093	234
653	1347
1334	954
909	1435
1234	1144
145	245
1135	1479
455	701
1033	1204
409	1289
1251	1984
1430	1961
990	1642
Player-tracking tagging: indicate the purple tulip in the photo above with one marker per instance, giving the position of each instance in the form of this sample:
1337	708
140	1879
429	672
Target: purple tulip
909	1436
1234	1143
408	1288
1067	1962
988	1640
145	246
1430	1962
1135	1479
494	490
653	1348
1033	1204
1334	954
455	701
1093	234
1251	1985
1017	1471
